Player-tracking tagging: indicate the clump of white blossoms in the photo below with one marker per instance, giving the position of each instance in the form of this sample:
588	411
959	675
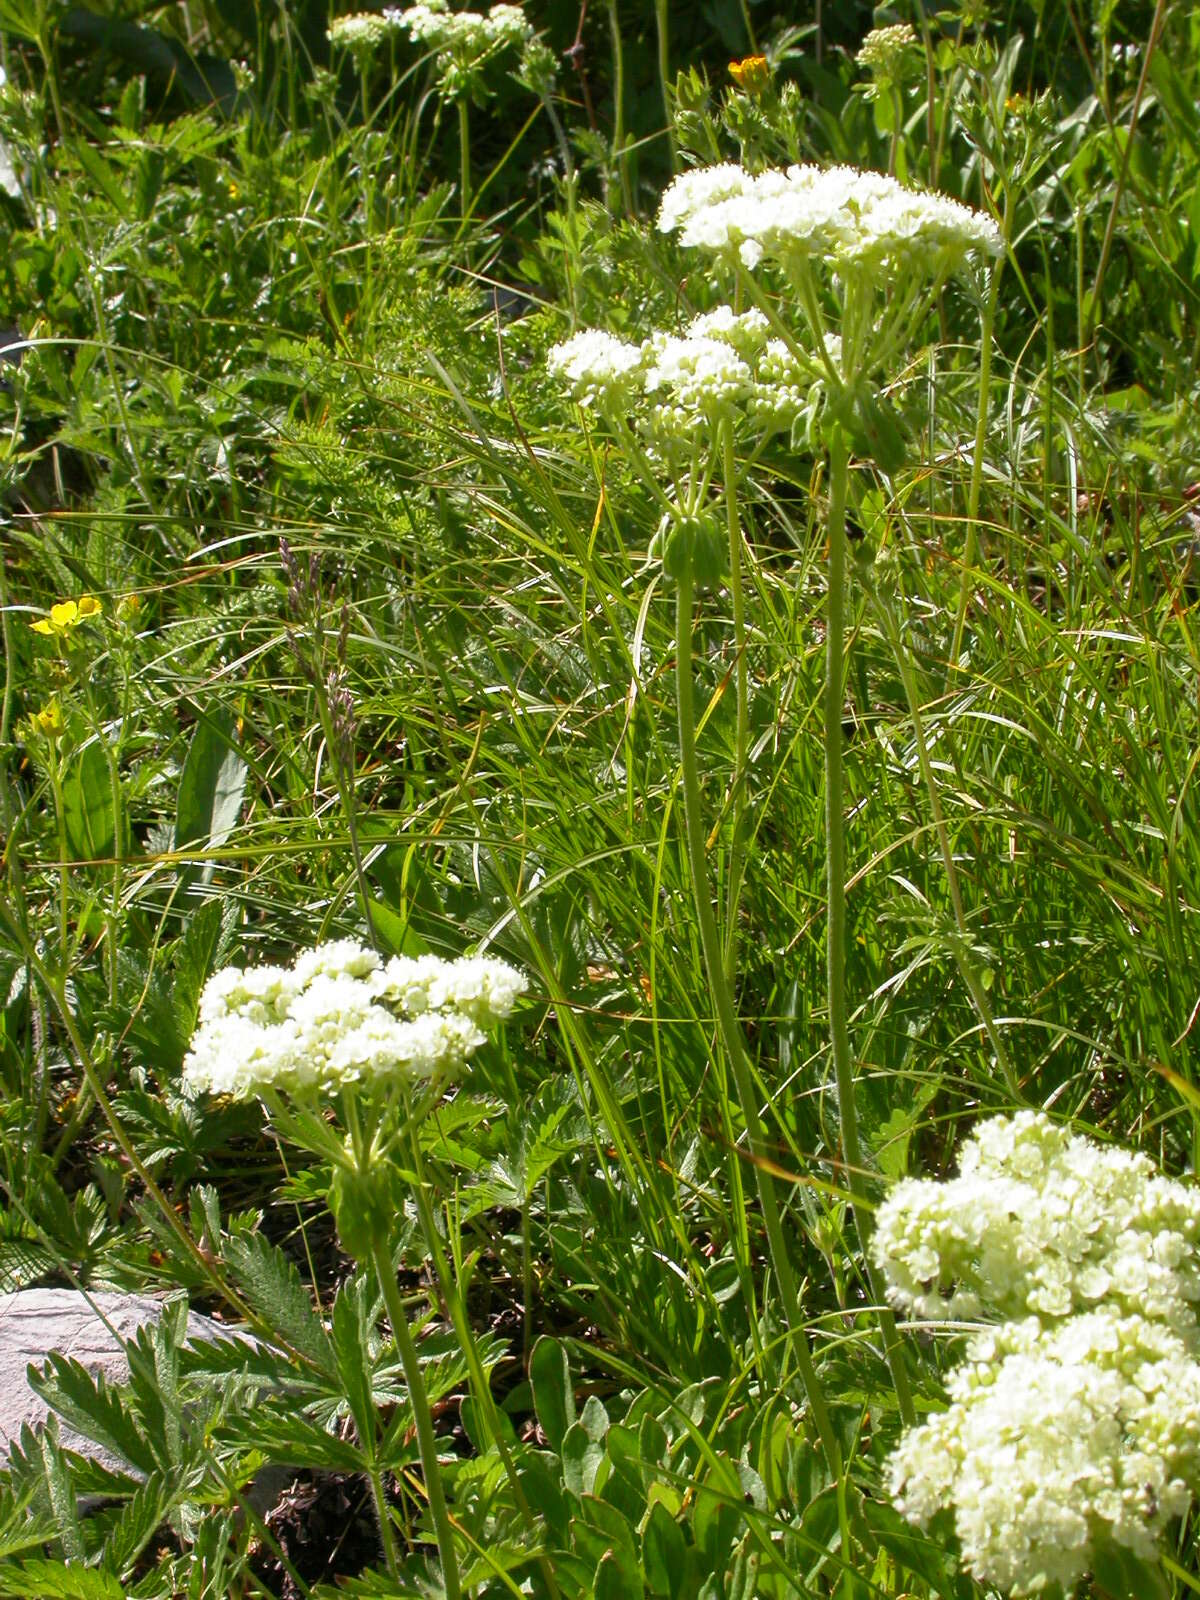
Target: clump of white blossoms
363	31
464	41
341	1016
1075	1422
600	370
723	367
842	215
1041	1221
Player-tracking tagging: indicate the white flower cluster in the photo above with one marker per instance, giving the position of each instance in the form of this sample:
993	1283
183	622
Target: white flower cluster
599	369
1076	1420
340	1015
842	215
364	30
723	365
465	40
1042	1222
1055	1437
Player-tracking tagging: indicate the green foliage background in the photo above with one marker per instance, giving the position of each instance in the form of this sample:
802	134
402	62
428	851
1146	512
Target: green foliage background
246	305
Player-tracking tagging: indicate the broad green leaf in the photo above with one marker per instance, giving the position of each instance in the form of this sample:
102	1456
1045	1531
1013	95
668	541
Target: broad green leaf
581	1458
664	1551
553	1397
211	786
88	814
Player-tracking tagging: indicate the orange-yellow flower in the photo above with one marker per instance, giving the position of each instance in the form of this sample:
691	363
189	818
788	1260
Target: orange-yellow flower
751	74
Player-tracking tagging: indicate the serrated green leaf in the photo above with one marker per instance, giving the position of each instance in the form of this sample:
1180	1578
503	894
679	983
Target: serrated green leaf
350	1334
90	1405
274	1288
54	1580
142	1514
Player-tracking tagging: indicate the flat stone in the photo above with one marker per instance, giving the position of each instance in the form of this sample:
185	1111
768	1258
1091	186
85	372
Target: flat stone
90	1329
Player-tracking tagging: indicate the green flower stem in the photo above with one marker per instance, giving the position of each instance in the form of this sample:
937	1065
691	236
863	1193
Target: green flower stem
962	946
480	1385
835	866
983	410
464	155
662	25
422	1417
740	775
618	141
729	1027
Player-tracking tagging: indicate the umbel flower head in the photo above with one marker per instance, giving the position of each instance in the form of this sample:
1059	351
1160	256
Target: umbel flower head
724	367
841	215
341	1016
1042	1222
1074	1425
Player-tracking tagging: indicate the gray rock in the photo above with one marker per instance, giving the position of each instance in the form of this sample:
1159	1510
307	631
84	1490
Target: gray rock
87	1327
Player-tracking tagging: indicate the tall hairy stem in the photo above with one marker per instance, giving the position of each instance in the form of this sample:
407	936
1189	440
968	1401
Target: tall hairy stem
662	26
835	867
481	1387
620	156
464	156
423	1420
730	1030
739	777
982	413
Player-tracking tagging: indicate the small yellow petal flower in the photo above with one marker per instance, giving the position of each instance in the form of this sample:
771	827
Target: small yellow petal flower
128	606
48	720
751	74
68	614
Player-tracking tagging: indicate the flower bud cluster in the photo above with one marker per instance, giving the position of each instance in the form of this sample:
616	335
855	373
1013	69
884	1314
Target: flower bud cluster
340	1015
464	41
363	31
881	47
844	216
1075	1421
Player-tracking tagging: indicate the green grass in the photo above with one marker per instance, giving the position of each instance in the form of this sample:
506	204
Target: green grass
270	320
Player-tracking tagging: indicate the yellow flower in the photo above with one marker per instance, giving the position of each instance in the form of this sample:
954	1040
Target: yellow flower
751	74
68	614
128	607
48	720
